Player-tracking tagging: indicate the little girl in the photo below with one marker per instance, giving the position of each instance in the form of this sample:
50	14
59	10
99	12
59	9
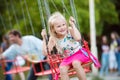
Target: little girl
67	40
105	56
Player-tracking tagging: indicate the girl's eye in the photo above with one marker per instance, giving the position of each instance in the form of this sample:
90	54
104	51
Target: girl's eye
64	24
58	26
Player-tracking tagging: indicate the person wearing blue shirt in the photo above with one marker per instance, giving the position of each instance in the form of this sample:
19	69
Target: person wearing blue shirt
24	46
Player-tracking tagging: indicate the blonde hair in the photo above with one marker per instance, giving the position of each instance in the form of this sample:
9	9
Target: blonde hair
51	21
55	16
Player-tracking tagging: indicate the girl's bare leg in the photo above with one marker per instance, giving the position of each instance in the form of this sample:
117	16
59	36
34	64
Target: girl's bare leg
22	76
79	70
64	72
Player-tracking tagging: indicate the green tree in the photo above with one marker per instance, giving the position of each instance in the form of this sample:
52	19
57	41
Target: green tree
25	15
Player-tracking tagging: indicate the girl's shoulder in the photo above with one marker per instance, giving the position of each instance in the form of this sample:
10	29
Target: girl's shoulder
52	39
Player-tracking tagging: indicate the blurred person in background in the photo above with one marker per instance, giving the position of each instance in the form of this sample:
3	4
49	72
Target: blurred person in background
113	51
4	45
105	56
118	51
24	46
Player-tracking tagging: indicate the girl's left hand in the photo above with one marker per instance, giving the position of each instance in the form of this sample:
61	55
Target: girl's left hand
72	21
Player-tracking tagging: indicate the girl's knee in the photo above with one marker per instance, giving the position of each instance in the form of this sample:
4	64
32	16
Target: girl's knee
76	64
63	70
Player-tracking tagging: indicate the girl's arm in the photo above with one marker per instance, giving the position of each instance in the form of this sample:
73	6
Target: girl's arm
51	43
44	46
44	50
73	30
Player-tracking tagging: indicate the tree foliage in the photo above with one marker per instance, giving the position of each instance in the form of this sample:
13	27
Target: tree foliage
23	14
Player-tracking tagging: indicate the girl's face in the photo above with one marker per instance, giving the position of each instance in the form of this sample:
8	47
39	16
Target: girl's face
104	39
60	27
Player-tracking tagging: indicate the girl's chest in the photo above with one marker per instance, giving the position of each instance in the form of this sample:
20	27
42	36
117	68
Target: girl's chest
68	43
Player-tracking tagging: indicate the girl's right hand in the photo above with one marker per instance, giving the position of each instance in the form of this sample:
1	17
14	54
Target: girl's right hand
51	44
43	33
